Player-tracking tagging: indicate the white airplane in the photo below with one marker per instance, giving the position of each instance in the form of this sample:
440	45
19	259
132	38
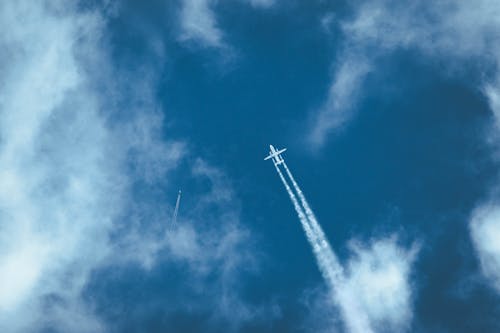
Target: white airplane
275	155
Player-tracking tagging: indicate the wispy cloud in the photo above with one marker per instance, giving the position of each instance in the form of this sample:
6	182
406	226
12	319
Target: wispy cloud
376	295
485	232
459	32
342	98
378	278
83	157
321	313
211	249
67	166
198	22
460	35
372	291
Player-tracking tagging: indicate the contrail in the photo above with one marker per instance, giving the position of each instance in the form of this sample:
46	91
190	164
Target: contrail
351	309
310	215
327	262
176	209
298	209
329	266
330	261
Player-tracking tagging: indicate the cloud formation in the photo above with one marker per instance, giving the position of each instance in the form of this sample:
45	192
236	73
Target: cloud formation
64	163
378	281
209	250
459	32
376	294
83	159
53	153
460	35
341	101
199	24
485	232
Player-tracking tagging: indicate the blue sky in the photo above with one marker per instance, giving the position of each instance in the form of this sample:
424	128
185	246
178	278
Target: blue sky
390	114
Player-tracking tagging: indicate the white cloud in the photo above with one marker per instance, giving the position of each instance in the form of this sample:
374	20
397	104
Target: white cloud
52	150
199	24
20	270
376	294
341	100
461	33
485	233
212	250
77	137
378	280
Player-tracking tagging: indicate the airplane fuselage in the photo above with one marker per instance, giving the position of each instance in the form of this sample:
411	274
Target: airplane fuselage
275	155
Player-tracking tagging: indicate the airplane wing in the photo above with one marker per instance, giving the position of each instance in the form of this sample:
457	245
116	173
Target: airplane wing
276	153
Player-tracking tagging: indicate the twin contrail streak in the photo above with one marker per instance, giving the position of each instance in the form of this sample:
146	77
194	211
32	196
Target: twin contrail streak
334	268
328	264
298	209
310	215
326	259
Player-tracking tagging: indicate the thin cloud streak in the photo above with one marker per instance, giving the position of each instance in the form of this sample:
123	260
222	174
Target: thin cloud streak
199	25
343	96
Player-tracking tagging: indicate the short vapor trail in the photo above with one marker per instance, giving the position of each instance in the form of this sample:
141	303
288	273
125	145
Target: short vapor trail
176	209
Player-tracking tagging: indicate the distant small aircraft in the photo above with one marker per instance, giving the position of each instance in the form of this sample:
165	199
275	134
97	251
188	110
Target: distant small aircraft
275	155
176	209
